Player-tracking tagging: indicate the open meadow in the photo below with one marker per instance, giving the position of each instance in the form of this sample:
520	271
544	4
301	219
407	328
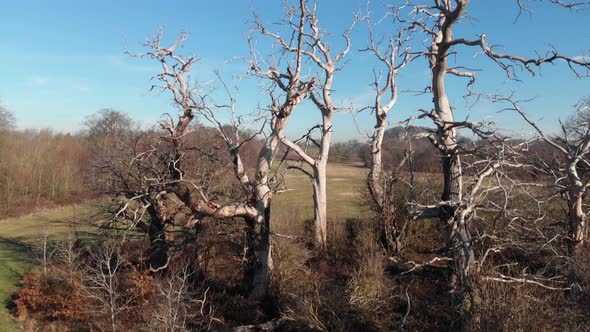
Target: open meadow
347	189
292	209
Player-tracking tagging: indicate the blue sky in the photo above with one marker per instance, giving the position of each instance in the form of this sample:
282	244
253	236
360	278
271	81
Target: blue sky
63	60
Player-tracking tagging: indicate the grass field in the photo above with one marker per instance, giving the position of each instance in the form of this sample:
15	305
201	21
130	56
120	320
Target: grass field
290	211
346	191
19	235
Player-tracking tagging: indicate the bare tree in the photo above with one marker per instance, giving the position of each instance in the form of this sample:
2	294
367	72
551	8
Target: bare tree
571	180
393	58
101	278
255	209
46	251
311	45
178	303
68	255
126	162
110	133
437	20
107	122
7	120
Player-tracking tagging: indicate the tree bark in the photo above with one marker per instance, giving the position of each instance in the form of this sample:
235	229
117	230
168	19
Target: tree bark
577	216
261	264
159	231
320	205
458	238
261	260
319	181
376	167
256	207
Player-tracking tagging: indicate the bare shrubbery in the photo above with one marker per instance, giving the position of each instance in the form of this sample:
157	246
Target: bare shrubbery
528	307
580	269
106	288
179	306
393	224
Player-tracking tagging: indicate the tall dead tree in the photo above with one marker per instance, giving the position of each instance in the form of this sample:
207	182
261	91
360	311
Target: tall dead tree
257	191
304	24
392	58
173	78
437	20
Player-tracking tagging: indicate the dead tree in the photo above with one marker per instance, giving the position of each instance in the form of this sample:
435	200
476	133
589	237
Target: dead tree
437	20
393	58
259	188
127	165
312	48
255	209
101	278
571	180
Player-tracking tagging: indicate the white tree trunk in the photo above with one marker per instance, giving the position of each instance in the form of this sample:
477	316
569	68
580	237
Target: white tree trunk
262	264
577	216
320	188
320	205
459	237
262	260
376	167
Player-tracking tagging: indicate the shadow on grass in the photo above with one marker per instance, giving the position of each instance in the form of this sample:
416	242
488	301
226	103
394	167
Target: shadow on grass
14	245
16	254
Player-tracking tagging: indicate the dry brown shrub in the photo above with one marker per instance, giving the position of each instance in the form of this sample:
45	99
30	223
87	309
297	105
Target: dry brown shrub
49	298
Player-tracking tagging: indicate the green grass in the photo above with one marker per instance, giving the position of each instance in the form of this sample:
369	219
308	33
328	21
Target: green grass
346	188
18	235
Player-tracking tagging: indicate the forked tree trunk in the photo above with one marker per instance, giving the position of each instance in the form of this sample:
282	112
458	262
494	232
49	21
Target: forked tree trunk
384	200
162	221
458	238
318	177
261	264
258	193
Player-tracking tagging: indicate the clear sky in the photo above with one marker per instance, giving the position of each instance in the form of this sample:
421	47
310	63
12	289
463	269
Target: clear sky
63	60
